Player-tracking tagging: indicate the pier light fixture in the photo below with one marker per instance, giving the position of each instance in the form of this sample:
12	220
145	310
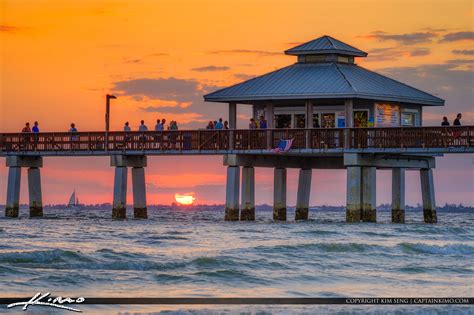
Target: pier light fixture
108	97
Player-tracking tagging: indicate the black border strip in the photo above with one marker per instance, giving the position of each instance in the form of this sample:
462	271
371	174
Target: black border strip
262	301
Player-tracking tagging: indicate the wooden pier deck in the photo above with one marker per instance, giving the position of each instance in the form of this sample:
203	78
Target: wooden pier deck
436	140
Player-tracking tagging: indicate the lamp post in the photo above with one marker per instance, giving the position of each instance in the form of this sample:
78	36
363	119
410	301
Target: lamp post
108	97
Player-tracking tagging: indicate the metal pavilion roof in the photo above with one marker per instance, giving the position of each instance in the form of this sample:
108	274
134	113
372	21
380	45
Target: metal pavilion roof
325	45
325	80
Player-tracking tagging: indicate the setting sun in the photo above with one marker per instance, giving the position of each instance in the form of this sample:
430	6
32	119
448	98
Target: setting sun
185	199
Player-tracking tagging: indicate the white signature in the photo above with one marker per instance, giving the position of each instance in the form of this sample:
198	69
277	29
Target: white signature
56	302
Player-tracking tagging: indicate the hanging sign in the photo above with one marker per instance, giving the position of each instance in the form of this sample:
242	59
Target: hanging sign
387	115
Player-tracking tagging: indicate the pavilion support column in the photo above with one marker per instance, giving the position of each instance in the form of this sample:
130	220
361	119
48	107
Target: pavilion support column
428	194
34	189
232	194
232	123
302	198
119	207
270	118
369	212
398	195
279	194
247	210
12	205
354	194
14	164
138	164
139	193
349	121
308	122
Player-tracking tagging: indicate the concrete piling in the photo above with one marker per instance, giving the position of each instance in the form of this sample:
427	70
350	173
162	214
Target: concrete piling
354	194
302	198
139	193
279	194
232	194
428	195
369	212
13	192
247	210
34	189
119	207
398	195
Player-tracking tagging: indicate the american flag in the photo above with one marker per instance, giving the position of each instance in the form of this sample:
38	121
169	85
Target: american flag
284	145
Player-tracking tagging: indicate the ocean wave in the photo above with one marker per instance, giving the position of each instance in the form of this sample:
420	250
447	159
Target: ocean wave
450	249
322	247
42	257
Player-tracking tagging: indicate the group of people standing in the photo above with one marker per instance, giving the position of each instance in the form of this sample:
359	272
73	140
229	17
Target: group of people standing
217	125
258	124
456	122
160	126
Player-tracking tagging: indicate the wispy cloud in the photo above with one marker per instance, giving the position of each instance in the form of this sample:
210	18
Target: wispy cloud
452	37
262	53
406	39
419	52
244	76
133	61
211	68
158	54
9	29
394	53
467	52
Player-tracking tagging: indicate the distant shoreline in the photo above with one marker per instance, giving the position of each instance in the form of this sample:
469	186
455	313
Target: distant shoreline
263	207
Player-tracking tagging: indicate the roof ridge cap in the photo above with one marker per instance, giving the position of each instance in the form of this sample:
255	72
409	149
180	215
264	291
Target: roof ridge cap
329	39
345	78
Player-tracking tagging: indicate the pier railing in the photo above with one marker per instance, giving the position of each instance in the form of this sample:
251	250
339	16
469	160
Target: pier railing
227	140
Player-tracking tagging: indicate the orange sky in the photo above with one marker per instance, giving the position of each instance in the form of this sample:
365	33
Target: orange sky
59	59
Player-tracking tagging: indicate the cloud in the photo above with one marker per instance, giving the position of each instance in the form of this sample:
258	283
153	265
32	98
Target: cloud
244	76
419	52
181	90
394	53
133	61
467	52
159	54
406	39
8	29
261	53
452	37
452	81
172	98
211	68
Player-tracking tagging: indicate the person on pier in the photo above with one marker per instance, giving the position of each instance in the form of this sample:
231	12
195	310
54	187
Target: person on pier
457	121
445	122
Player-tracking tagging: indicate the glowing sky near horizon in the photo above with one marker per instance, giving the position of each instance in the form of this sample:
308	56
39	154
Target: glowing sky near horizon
59	58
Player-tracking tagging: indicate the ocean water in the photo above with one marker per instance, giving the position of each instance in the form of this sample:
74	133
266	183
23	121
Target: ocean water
190	253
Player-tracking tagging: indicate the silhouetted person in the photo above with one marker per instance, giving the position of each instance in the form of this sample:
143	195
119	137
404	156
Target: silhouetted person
262	123
457	121
127	128
226	125
35	128
219	125
158	126
253	124
26	128
445	121
142	127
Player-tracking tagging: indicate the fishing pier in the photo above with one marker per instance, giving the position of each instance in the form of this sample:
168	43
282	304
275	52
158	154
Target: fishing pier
339	116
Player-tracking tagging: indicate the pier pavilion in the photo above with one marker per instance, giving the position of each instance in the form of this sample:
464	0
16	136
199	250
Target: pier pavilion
325	88
339	115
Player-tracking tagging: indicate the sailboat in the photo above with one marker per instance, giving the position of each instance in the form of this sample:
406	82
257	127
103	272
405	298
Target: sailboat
73	201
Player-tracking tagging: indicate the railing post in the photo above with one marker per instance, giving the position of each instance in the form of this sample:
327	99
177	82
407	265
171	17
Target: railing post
269	135
231	139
